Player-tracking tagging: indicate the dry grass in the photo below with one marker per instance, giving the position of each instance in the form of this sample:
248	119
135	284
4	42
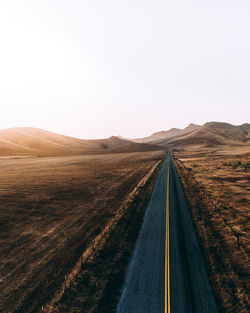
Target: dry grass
51	209
217	187
97	279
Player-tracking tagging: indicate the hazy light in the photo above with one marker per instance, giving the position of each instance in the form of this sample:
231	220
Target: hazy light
94	69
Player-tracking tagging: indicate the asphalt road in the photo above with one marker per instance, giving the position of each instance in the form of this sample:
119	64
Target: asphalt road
166	272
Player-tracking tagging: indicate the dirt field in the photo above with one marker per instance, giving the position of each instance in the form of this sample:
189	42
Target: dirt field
51	209
216	183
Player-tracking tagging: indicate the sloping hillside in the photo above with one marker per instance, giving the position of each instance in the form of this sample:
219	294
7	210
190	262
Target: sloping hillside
210	135
32	141
37	142
167	134
117	145
214	134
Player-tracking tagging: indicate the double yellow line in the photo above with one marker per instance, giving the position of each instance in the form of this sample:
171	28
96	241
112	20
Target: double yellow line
167	272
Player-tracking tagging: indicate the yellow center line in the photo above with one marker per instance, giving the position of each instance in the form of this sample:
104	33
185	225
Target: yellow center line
167	273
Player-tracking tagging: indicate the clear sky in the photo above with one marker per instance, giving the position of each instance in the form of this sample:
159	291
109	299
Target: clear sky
93	69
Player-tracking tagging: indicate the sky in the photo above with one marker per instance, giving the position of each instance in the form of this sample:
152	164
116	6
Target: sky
93	69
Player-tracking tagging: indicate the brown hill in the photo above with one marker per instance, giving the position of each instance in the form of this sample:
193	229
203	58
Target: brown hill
38	142
214	134
164	135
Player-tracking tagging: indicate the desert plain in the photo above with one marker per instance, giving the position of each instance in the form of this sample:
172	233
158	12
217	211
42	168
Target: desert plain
51	209
71	211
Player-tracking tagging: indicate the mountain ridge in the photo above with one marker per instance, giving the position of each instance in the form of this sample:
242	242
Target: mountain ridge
28	141
167	134
25	141
214	134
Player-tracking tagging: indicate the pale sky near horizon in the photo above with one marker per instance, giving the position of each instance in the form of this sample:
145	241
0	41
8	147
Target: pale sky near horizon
93	69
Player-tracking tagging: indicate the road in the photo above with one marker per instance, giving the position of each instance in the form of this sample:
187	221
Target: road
166	272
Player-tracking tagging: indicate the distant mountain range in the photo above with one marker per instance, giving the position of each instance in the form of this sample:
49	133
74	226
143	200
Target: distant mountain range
168	134
37	142
211	134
